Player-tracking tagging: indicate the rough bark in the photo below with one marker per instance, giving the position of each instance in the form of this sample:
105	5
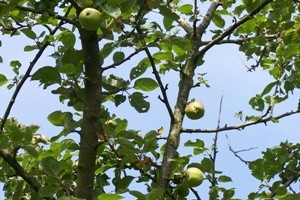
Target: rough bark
91	114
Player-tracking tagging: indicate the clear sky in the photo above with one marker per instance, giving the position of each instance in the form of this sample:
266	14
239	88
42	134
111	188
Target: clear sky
226	74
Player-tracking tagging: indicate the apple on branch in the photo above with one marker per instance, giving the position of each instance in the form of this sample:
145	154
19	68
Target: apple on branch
90	19
193	176
194	110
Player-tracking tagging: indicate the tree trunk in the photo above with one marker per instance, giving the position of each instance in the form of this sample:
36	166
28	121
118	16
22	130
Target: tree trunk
91	114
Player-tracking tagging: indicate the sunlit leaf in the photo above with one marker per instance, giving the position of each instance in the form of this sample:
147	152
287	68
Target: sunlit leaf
145	84
109	197
186	9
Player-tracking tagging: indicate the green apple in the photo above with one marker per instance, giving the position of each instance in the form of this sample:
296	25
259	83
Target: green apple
90	19
194	110
193	176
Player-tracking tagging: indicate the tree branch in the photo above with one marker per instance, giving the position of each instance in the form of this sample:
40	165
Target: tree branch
20	171
241	126
52	14
126	59
158	79
27	75
207	18
215	142
229	30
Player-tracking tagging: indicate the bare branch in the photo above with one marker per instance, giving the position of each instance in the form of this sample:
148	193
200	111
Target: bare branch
241	126
215	142
236	153
183	23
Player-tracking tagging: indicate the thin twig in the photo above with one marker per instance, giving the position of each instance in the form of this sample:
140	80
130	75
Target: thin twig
241	126
195	193
215	143
236	153
125	59
157	77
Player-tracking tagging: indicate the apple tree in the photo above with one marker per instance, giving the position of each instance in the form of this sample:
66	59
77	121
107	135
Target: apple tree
123	52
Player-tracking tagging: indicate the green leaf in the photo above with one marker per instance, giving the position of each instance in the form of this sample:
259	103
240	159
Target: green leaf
47	191
67	38
145	84
228	194
137	100
28	48
50	165
269	87
56	118
290	197
218	21
127	5
123	184
65	119
118	57
109	197
119	99
186	9
150	142
138	71
207	165
247	28
3	79
155	194
138	194
112	10
198	146
47	76
198	143
29	33
30	149
112	83
168	13
224	178
257	103
168	23
163	55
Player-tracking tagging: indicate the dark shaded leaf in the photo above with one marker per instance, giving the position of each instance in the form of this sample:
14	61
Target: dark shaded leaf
47	76
137	100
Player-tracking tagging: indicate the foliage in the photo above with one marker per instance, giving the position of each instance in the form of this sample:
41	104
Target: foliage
175	36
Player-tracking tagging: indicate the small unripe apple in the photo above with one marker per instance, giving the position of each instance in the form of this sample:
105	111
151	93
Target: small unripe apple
193	176
194	110
90	19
